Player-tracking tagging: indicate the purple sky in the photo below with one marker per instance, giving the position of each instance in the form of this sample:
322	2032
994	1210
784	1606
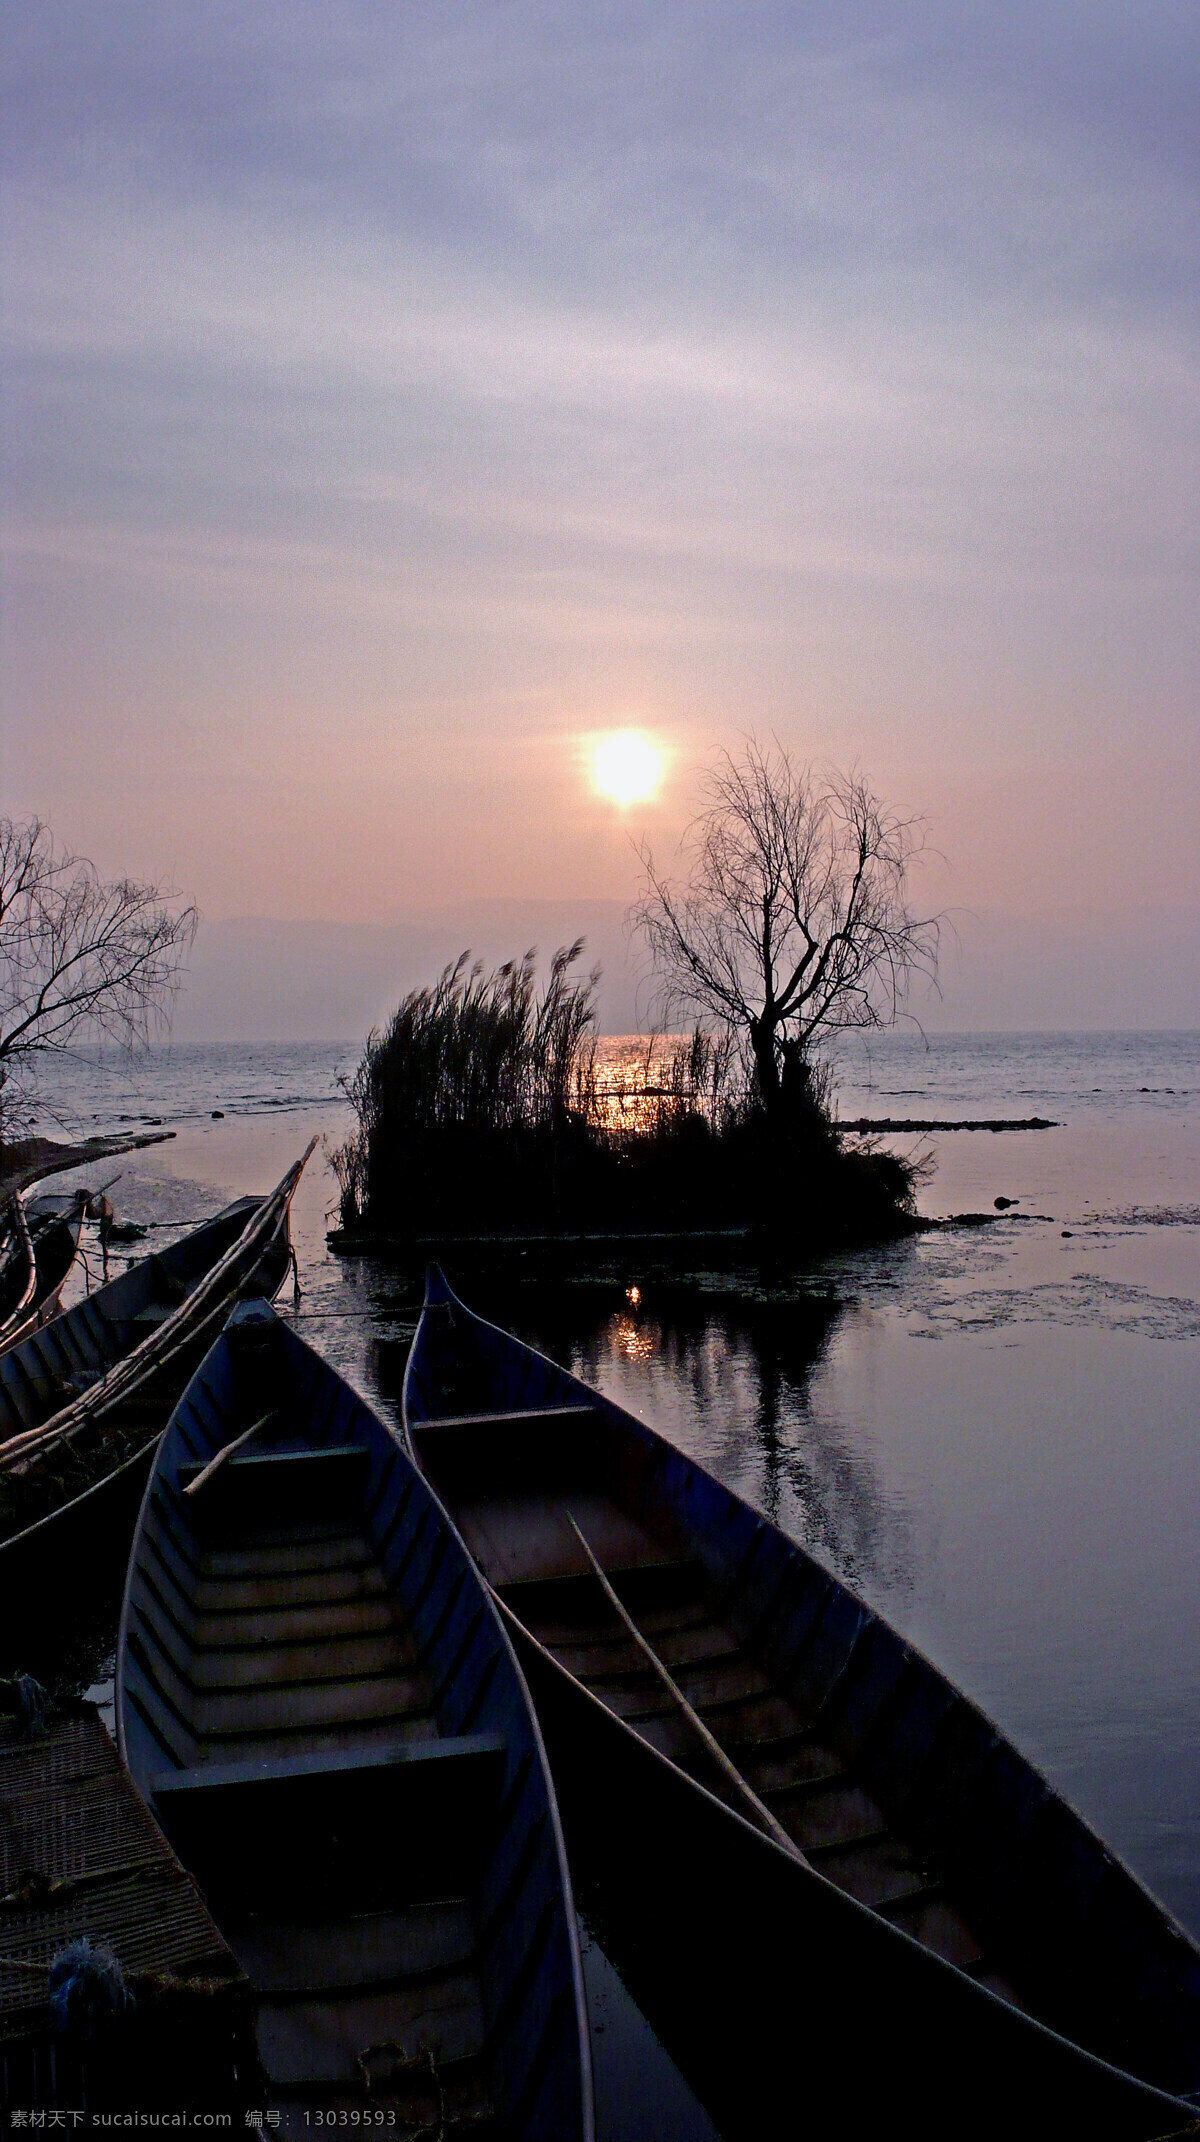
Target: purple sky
398	395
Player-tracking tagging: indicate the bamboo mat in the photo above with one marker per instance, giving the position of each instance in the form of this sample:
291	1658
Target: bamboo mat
80	1855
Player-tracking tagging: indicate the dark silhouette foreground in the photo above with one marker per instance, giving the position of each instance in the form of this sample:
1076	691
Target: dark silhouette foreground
482	1108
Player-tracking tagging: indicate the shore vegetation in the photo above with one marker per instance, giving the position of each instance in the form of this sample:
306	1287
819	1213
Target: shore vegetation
485	1106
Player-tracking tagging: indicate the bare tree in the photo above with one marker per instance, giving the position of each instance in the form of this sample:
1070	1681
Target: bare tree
78	956
793	921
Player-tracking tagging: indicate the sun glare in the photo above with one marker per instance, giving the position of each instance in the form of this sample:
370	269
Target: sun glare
626	766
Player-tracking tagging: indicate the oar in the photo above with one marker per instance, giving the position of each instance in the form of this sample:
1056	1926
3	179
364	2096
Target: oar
227	1451
760	1813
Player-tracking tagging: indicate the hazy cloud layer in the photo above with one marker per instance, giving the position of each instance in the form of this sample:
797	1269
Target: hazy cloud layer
395	395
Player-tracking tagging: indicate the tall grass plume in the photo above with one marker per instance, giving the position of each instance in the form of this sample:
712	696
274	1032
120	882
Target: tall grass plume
484	1106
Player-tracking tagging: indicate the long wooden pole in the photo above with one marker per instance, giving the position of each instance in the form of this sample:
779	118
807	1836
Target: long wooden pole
30	1289
152	1354
757	1809
157	1349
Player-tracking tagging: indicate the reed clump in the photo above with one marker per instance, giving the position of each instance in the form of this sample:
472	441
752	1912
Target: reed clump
484	1107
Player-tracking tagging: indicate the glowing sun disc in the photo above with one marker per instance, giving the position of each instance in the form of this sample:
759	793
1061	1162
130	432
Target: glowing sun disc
626	767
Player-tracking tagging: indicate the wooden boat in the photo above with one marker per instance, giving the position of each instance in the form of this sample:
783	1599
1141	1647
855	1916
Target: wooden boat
84	1399
860	1906
318	1701
36	1257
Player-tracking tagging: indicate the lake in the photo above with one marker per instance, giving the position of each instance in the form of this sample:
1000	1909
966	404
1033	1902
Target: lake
993	1432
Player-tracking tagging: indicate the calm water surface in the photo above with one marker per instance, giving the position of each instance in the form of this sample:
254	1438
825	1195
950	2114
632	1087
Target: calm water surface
993	1432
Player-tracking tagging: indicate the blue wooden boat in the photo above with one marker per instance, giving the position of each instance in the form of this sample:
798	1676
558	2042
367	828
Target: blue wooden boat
69	1362
898	1923
84	1400
110	1369
319	1704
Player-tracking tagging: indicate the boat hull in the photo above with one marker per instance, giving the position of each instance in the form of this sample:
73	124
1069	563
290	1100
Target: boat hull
61	1578
61	1572
54	1222
751	1946
60	1361
320	1705
782	2006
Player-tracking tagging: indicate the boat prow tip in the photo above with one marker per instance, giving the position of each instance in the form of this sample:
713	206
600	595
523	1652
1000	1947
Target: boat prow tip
252	1309
437	1289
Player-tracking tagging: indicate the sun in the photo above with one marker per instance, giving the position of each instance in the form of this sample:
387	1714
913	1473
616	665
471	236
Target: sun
626	766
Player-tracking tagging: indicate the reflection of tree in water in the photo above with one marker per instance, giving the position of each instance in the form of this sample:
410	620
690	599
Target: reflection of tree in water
840	1508
730	1381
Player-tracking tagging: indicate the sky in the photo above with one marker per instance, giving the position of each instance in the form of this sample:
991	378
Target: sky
400	398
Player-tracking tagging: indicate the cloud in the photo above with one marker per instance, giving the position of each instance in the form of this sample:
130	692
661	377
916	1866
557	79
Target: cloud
478	369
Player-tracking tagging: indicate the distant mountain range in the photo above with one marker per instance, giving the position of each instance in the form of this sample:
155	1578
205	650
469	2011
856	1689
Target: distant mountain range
257	979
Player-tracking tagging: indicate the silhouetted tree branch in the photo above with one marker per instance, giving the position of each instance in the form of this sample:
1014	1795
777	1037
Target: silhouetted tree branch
793	921
78	956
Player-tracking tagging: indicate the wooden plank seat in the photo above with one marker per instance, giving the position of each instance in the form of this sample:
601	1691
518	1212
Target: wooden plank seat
507	1417
170	1788
381	1948
282	1486
316	2045
405	1817
327	1463
554	1446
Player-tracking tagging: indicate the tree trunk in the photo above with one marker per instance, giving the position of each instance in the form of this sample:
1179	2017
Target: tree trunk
766	1065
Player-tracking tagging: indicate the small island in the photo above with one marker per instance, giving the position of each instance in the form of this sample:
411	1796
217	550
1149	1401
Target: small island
482	1109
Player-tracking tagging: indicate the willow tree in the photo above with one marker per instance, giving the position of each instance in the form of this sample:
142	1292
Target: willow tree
792	920
80	956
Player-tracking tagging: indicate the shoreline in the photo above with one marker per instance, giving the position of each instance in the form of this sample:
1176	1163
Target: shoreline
32	1160
938	1123
674	1247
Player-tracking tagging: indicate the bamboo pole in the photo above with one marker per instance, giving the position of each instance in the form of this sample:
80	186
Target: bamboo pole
757	1809
161	1346
116	1391
147	1360
226	1451
12	1323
